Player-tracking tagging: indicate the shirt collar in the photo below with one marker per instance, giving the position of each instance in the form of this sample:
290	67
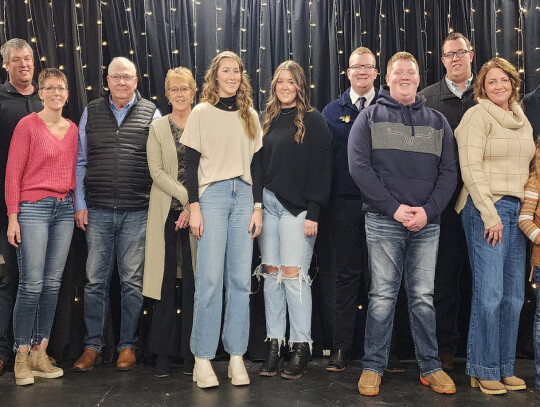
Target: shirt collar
115	108
369	96
455	88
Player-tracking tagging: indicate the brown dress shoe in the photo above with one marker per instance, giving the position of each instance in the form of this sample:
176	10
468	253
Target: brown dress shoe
87	361
447	361
126	359
369	382
2	367
439	382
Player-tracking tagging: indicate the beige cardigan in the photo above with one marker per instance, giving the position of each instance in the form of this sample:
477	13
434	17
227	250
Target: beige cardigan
163	164
495	149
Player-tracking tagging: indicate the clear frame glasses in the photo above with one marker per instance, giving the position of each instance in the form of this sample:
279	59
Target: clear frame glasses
367	68
52	89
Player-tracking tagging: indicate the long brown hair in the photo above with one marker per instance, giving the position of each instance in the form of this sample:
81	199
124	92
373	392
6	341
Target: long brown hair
273	106
244	100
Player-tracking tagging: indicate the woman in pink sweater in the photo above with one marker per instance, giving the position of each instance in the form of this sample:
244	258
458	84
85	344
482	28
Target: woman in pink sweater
40	178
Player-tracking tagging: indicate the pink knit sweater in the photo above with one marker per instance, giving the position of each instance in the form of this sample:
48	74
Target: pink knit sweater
39	165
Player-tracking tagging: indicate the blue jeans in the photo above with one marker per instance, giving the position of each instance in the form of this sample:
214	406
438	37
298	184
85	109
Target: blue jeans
283	244
394	252
536	278
46	231
498	291
223	259
114	234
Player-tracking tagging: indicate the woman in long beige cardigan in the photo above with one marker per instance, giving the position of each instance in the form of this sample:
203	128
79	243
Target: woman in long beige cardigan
168	221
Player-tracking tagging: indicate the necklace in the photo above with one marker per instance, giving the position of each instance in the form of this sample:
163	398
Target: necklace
227	106
52	124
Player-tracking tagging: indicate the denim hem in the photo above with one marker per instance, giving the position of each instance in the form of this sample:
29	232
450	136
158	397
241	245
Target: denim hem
121	348
235	354
507	370
94	348
16	348
368	369
424	374
204	357
484	373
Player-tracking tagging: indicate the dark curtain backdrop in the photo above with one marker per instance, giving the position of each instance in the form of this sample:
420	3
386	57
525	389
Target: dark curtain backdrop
82	36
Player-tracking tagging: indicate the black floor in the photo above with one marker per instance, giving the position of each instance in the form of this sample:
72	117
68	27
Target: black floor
106	387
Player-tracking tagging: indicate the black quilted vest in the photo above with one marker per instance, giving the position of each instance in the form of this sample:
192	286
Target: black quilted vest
117	173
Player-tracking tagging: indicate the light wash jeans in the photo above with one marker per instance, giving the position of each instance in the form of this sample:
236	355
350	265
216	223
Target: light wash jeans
498	291
46	231
283	244
395	253
114	234
224	259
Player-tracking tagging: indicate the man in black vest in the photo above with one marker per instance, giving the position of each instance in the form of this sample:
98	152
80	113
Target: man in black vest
18	98
452	96
111	204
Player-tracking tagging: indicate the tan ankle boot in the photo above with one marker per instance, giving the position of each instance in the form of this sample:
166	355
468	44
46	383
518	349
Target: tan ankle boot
41	365
488	386
514	383
203	373
237	371
23	370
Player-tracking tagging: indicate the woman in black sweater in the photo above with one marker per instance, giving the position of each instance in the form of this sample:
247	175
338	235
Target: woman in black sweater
296	162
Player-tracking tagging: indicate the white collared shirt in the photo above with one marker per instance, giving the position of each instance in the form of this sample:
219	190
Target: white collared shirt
355	97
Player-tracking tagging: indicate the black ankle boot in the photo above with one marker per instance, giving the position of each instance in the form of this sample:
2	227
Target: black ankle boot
163	366
274	359
299	360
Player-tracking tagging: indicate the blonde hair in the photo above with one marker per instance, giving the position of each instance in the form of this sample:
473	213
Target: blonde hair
51	73
362	51
508	68
182	74
402	55
273	106
244	99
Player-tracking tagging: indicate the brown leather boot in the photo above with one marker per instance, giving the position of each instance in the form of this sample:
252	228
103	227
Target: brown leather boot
439	382
369	382
126	359
41	365
87	361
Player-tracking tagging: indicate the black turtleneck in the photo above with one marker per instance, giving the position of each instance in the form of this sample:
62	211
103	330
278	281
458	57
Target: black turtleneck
300	174
192	158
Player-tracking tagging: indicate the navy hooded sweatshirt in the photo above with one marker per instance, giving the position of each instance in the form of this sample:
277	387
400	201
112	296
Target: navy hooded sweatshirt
403	155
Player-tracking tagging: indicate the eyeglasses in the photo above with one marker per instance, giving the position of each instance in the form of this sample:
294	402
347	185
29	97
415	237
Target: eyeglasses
183	90
367	68
52	89
460	53
125	78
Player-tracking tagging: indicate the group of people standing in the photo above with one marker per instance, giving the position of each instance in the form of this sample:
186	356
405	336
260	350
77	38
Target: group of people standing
190	191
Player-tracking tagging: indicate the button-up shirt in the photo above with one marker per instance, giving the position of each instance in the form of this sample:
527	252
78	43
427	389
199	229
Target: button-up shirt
455	88
355	97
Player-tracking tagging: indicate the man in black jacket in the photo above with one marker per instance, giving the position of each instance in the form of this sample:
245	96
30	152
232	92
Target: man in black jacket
531	104
111	204
451	96
18	98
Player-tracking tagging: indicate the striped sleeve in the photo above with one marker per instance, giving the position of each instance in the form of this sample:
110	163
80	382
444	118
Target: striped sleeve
528	209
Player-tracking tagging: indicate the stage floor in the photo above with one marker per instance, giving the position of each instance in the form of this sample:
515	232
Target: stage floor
106	387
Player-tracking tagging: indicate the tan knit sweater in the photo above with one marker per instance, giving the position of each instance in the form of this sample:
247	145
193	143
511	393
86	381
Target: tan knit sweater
495	148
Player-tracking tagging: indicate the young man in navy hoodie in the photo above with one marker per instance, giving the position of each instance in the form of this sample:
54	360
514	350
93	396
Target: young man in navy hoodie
403	158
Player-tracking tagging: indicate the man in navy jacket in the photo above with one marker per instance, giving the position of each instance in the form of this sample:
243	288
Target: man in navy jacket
403	157
347	218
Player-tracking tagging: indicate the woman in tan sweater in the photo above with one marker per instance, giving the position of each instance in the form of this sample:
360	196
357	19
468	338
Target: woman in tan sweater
495	148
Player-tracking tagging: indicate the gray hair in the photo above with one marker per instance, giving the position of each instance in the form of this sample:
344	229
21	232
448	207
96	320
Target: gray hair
123	60
14	43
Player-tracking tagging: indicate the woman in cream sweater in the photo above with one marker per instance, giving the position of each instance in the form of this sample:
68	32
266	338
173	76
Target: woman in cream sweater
168	221
495	148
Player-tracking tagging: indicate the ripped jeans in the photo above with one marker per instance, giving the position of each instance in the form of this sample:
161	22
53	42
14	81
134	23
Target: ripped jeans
283	244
